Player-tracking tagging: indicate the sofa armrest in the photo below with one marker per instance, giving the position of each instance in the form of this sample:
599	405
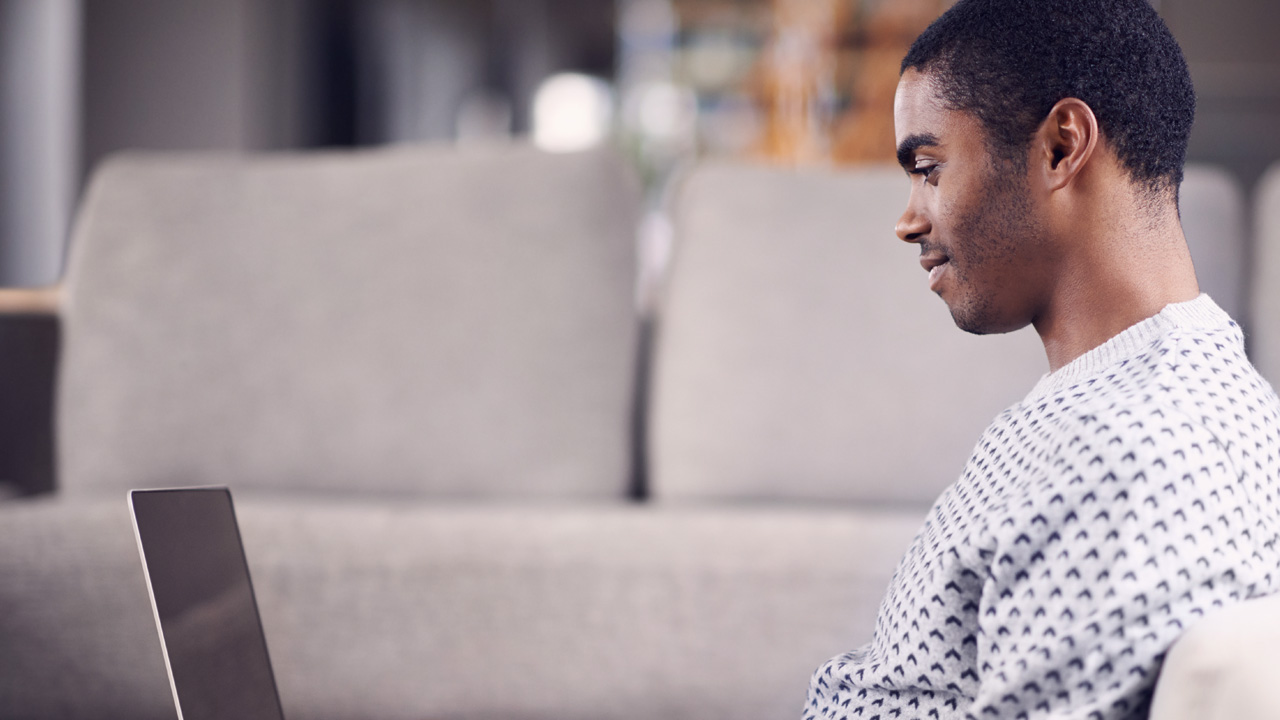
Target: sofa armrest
31	301
1224	667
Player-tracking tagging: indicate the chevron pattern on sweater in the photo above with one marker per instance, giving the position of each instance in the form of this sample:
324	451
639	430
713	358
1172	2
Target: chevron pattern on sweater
1129	494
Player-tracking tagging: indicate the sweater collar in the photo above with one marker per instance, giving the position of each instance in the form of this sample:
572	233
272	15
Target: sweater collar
1201	313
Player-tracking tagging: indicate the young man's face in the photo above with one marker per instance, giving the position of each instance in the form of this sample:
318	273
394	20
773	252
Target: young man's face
971	213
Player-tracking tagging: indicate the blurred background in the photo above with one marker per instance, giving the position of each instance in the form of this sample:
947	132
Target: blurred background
791	80
785	81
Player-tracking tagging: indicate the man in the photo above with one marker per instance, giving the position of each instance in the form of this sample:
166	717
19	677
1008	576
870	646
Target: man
1135	488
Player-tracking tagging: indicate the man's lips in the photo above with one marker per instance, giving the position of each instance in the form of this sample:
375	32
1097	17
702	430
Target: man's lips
935	263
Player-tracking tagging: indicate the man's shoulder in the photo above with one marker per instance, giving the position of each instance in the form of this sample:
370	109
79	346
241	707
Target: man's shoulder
1197	376
1177	407
1186	403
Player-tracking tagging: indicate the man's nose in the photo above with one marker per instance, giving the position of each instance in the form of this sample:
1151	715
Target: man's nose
912	225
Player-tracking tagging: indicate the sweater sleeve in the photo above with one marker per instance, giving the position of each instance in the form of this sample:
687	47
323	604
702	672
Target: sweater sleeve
1094	571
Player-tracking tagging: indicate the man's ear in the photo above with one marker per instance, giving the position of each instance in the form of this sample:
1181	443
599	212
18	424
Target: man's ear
1066	141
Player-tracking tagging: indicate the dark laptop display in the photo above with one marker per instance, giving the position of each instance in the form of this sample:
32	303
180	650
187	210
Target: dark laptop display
204	604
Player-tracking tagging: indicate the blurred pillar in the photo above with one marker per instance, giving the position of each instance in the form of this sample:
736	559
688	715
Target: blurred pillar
419	62
530	52
39	136
416	62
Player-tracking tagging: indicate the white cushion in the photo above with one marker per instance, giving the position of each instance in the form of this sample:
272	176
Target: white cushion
1225	667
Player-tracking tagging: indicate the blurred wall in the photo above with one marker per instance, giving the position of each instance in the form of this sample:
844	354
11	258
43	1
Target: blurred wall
192	75
1235	64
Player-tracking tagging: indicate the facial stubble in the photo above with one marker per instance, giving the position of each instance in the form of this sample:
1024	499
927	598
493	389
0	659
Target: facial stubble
992	241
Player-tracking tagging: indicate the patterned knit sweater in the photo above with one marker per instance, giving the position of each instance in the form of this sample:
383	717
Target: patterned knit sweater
1131	492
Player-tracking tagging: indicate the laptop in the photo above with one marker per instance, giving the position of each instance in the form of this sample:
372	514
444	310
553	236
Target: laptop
205	611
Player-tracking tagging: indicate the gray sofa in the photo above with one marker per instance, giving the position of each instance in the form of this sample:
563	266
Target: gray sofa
471	484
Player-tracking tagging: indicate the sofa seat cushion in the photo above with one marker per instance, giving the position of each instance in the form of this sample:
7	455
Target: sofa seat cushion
409	610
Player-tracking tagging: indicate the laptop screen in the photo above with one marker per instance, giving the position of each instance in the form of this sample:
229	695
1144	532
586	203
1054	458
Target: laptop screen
204	604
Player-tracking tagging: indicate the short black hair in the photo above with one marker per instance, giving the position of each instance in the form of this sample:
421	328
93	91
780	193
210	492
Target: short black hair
1009	61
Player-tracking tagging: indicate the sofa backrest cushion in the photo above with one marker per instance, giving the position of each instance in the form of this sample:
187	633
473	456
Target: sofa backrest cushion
1264	338
800	354
1211	203
411	321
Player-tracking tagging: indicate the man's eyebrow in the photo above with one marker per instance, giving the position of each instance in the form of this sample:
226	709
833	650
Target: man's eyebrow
908	147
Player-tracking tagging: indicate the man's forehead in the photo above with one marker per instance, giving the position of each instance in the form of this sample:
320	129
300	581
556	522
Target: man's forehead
917	107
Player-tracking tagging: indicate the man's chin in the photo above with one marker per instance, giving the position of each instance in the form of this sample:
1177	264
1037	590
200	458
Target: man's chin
981	320
969	324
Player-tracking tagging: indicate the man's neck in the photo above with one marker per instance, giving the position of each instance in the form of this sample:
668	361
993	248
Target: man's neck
1116	277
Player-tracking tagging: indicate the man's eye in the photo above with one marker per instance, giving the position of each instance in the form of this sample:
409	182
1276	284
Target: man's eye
925	171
